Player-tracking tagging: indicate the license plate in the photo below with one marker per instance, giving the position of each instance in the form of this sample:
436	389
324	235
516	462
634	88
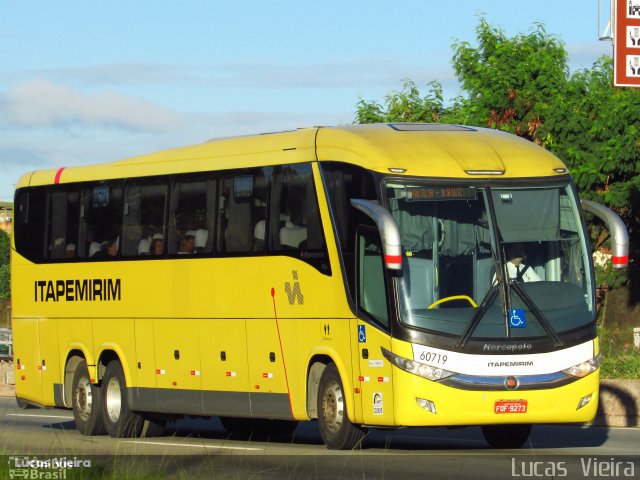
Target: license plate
510	406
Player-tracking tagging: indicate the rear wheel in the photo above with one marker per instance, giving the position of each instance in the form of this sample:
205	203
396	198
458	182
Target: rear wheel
119	420
86	401
337	431
506	436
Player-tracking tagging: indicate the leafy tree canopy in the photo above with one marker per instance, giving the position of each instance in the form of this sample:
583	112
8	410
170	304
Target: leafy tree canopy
523	85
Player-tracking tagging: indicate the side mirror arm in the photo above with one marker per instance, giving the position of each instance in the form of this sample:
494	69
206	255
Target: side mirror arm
617	229
388	228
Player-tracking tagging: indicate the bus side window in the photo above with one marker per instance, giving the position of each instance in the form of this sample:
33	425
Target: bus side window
100	220
295	221
193	213
243	205
372	296
344	182
29	221
62	223
144	217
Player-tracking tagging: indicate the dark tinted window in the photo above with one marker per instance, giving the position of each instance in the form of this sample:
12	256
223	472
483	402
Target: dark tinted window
29	222
144	217
344	182
101	221
295	226
243	207
63	215
192	214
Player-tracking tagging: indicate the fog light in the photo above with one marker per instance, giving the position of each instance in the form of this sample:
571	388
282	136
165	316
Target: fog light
583	401
428	405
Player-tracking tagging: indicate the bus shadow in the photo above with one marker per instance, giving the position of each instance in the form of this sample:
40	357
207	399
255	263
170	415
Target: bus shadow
617	405
69	425
307	433
552	437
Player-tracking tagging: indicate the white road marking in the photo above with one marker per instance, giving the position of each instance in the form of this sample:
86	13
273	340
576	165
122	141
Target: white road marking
59	417
168	444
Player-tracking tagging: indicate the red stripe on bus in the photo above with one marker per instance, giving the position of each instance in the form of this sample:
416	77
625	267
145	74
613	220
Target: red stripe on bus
284	364
58	175
620	260
394	259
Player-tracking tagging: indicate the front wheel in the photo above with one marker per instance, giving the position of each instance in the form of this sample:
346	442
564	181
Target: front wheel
337	431
506	436
86	401
119	420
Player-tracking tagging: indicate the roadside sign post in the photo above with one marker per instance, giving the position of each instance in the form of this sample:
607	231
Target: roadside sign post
626	43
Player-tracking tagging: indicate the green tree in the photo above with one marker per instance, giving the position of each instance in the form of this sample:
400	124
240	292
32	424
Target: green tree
523	85
5	245
408	105
596	130
511	83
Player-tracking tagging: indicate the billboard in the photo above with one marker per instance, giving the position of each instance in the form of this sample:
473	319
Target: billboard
626	55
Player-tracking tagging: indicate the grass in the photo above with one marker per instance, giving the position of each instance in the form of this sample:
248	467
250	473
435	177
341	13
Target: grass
618	317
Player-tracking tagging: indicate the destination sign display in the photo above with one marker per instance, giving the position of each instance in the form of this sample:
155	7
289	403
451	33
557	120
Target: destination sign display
434	193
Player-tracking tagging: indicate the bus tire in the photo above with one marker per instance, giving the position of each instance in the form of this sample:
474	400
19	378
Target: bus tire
86	402
337	431
119	420
506	436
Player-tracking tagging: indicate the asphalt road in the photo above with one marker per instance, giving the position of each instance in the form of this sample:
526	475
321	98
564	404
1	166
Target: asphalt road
196	448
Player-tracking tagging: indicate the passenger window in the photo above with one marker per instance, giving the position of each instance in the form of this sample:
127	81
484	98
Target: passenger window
372	296
192	217
243	205
144	218
295	225
101	221
63	223
29	221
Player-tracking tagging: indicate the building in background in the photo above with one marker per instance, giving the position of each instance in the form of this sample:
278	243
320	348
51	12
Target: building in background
6	214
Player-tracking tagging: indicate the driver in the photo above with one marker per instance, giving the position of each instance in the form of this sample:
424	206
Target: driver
517	270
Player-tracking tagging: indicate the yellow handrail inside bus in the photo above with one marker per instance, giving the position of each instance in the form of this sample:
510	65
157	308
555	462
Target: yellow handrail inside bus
454	297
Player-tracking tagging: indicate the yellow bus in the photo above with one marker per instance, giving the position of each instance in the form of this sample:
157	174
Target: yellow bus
391	275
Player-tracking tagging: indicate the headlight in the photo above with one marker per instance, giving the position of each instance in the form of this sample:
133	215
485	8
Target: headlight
585	368
417	368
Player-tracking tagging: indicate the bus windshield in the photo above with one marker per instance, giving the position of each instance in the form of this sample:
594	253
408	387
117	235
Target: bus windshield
491	262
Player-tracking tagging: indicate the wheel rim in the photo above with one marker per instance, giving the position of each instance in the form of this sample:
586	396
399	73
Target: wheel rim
84	398
113	400
333	406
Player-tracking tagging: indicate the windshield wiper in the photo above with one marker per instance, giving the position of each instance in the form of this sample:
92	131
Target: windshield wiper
531	305
501	285
477	316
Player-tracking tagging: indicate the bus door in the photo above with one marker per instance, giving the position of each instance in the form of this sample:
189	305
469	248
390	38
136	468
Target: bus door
375	376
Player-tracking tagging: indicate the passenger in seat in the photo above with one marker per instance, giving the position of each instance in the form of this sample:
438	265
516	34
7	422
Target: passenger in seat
187	243
157	247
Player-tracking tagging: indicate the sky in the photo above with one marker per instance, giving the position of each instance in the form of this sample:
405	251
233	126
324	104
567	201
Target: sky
85	82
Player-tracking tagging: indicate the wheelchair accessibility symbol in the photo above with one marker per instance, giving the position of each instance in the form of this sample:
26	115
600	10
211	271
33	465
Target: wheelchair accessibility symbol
362	334
517	318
